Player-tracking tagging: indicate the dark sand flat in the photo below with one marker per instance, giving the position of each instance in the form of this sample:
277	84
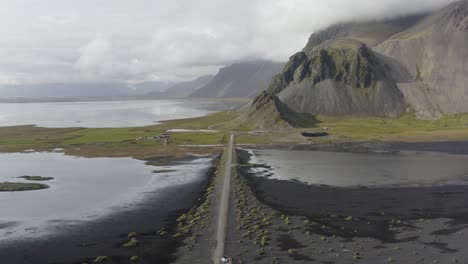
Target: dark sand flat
329	224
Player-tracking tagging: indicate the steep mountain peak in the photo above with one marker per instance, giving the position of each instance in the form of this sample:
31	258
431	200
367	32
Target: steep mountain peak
354	65
345	61
338	73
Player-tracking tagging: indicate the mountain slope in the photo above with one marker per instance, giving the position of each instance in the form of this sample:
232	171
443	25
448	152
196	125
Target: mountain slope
240	80
266	112
434	52
338	73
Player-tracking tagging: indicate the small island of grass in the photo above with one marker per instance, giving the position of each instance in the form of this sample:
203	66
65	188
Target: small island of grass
163	171
21	186
36	178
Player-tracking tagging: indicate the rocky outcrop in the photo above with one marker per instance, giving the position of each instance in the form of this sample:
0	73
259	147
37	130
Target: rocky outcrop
345	77
267	112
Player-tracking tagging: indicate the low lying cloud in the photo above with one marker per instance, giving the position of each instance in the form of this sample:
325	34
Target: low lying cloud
94	40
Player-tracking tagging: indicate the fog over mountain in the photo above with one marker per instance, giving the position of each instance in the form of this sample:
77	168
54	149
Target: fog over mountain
82	89
93	41
240	80
185	89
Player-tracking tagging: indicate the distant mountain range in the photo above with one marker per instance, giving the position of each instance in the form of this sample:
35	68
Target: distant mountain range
185	89
75	90
415	63
240	80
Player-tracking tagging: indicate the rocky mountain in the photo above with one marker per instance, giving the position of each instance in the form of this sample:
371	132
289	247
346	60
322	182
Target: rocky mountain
185	89
382	68
434	53
240	80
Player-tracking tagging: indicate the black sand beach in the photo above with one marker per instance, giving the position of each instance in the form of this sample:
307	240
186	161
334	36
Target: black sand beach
368	225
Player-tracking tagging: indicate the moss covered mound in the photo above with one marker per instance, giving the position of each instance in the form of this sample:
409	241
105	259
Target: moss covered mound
21	186
267	112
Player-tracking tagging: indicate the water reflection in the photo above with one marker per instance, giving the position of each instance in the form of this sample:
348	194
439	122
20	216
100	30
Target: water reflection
130	113
83	189
352	169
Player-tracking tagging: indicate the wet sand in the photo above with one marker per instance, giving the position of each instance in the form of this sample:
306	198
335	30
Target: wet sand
449	147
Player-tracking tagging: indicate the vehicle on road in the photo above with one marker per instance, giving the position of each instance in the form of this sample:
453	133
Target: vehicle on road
225	259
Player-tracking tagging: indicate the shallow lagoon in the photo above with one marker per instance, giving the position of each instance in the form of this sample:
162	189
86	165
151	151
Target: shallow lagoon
356	169
84	189
131	113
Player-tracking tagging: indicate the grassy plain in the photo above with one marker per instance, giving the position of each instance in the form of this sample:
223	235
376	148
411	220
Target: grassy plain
118	142
404	128
353	128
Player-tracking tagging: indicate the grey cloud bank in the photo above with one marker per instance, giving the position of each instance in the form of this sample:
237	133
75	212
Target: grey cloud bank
131	41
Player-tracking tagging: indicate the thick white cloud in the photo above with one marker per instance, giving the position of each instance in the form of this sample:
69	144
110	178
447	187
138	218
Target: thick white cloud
133	40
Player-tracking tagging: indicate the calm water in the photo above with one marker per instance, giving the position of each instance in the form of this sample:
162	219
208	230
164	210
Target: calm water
103	113
84	189
350	169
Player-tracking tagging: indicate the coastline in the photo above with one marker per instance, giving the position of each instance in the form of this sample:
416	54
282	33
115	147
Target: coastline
82	242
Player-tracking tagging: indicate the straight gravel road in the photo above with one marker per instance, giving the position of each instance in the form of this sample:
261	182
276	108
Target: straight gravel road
224	205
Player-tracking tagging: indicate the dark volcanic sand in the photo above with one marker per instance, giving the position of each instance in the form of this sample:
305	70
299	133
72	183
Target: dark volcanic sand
330	205
83	242
450	147
383	225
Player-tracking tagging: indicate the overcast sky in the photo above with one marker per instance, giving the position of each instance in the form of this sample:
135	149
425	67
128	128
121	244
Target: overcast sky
135	40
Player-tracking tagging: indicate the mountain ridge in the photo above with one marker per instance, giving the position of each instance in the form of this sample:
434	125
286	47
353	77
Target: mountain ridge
382	68
240	80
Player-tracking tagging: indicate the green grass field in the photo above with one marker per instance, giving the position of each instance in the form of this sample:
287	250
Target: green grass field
20	138
405	128
352	128
122	141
